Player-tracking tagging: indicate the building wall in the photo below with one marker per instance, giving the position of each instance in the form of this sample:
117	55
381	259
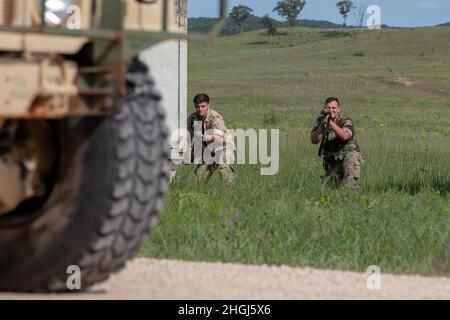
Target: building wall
168	66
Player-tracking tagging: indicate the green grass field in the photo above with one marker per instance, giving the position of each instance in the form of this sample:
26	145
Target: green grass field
395	84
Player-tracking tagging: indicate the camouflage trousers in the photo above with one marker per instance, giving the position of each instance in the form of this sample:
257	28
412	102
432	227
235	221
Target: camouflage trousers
345	172
204	173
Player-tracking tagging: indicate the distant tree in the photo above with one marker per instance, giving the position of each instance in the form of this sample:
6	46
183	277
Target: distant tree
240	14
270	24
359	13
344	7
290	9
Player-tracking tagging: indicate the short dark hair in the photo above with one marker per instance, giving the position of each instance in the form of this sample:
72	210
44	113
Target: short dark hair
201	97
332	99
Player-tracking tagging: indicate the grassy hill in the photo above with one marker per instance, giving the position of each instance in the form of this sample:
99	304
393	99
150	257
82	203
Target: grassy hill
395	84
204	25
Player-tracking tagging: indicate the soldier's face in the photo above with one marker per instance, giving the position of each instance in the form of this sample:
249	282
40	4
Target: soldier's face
334	108
202	109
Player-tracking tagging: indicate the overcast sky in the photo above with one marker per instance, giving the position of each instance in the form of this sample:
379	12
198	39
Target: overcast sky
401	13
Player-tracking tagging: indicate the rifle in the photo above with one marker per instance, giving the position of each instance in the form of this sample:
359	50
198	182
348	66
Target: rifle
325	133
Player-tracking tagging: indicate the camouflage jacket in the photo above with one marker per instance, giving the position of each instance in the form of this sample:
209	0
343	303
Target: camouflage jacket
334	147
213	124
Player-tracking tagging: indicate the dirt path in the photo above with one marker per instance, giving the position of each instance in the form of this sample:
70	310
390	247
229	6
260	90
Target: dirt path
162	279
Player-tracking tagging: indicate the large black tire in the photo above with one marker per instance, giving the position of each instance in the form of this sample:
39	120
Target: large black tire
111	178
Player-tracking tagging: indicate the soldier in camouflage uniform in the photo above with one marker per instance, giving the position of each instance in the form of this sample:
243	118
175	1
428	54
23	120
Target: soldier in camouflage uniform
208	126
342	159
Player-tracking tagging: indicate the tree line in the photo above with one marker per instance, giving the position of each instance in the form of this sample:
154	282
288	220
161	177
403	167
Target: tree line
204	25
291	9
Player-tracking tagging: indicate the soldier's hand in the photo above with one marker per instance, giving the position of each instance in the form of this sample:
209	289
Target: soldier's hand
325	120
209	138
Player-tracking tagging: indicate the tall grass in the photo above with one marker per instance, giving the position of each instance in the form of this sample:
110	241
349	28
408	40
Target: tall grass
400	220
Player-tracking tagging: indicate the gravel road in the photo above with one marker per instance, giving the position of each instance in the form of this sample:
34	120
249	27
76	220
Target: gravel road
163	279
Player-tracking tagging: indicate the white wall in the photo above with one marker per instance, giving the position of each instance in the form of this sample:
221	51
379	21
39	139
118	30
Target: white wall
168	66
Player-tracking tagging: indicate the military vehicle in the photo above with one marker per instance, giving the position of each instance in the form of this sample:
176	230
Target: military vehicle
83	141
